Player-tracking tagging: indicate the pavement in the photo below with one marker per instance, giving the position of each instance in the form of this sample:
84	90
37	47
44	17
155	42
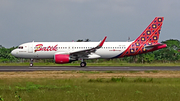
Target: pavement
74	68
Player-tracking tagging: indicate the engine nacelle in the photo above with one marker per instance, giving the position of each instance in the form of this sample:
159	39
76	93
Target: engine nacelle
62	58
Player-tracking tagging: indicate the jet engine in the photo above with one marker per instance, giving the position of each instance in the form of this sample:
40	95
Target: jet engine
62	58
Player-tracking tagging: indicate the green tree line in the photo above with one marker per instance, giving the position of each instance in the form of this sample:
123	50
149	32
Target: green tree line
169	54
5	54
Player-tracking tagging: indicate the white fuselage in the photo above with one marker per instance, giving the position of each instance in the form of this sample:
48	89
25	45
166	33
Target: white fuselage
49	49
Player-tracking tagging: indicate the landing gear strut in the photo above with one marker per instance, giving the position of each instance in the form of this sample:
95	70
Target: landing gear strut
83	63
31	63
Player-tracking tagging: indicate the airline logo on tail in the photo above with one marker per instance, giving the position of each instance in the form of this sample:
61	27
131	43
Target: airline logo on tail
149	37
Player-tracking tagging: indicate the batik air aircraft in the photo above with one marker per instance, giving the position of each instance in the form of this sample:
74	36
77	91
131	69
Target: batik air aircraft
66	52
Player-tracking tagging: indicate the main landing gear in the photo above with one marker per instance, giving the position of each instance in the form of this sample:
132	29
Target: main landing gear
83	63
31	63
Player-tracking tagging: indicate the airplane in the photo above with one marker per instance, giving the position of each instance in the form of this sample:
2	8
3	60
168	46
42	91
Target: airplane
66	52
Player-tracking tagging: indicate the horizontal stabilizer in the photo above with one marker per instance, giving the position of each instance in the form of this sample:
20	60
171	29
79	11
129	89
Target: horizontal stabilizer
158	46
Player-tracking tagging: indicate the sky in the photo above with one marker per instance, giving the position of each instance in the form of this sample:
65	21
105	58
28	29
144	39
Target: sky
69	20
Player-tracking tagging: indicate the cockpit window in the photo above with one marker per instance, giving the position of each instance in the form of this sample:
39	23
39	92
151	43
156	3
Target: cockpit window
20	47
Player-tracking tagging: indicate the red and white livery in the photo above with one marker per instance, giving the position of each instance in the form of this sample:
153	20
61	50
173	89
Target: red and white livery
66	52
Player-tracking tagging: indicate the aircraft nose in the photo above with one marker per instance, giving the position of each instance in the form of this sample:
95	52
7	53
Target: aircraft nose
13	52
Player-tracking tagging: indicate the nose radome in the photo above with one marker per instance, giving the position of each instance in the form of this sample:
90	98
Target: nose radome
13	52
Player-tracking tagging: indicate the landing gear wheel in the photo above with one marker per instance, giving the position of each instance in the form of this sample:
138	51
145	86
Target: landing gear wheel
31	64
83	64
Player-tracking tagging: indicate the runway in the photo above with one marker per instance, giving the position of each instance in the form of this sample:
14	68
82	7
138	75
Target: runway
71	68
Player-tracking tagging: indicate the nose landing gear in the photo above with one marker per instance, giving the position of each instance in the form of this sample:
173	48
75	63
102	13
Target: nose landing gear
31	63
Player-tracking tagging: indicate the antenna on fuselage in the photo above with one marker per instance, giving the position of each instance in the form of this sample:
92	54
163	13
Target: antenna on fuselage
128	39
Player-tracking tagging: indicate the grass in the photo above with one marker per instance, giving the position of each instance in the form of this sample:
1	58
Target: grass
86	89
150	85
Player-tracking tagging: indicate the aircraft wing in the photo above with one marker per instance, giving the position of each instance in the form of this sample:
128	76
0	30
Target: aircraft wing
86	52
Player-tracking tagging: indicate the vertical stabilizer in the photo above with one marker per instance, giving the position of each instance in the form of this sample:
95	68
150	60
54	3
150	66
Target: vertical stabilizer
151	34
149	37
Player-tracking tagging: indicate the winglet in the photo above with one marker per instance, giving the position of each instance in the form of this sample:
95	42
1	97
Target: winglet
102	42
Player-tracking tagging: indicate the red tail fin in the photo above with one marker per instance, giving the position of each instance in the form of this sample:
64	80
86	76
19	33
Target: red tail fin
151	34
